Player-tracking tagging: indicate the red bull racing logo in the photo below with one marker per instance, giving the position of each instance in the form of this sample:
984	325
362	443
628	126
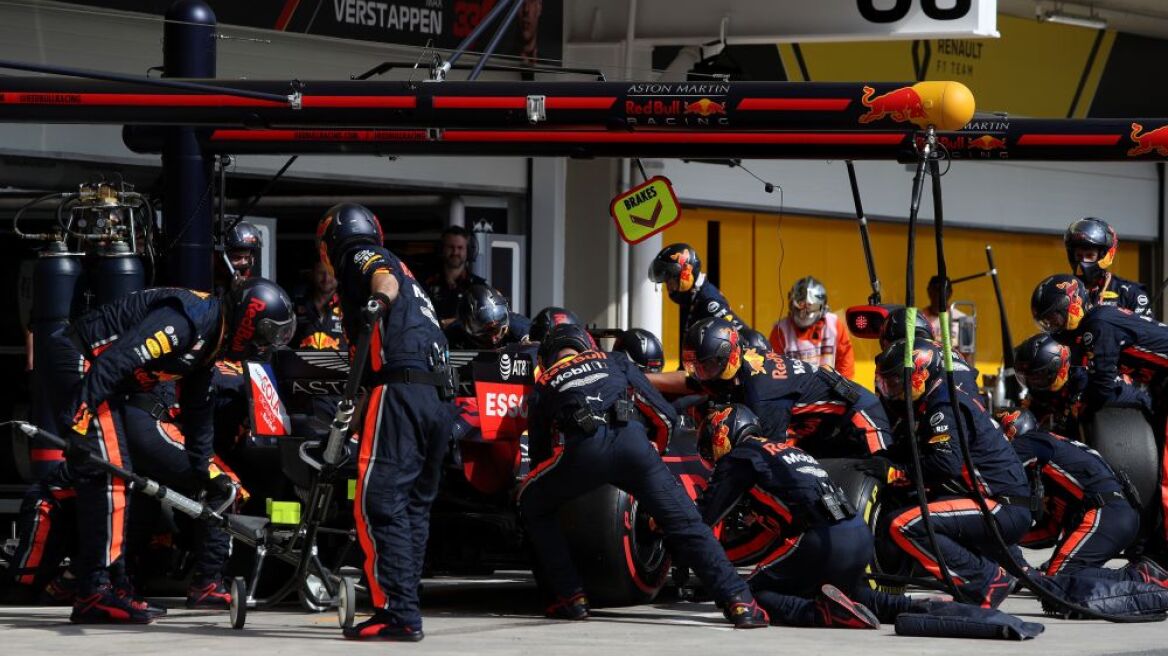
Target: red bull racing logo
1074	303
987	143
900	105
705	107
920	373
1007	420
685	277
1146	142
720	433
246	329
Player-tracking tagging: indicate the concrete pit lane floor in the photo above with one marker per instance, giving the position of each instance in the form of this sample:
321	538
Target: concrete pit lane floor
500	615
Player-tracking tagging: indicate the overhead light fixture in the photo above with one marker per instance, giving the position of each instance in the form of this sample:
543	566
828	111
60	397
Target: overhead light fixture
1089	22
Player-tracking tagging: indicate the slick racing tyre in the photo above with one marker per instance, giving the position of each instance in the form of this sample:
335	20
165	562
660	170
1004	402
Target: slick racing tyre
621	559
867	496
1126	441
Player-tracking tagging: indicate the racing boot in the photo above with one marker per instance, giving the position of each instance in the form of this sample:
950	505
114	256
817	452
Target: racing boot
61	591
744	612
1150	572
572	608
999	589
834	609
102	605
383	626
124	589
208	593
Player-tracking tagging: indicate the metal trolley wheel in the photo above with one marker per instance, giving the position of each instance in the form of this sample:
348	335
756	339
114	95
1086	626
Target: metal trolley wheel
238	608
346	602
313	595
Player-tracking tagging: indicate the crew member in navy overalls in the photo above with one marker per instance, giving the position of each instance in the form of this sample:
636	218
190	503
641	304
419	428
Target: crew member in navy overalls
595	419
407	419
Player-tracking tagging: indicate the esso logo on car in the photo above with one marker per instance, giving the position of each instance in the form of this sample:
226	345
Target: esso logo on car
502	404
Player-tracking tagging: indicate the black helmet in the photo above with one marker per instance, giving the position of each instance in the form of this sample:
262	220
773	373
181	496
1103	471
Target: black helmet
926	370
1059	303
484	315
1095	234
724	428
345	225
749	338
678	263
564	336
893	328
1017	422
711	351
643	348
1041	363
548	317
243	236
259	317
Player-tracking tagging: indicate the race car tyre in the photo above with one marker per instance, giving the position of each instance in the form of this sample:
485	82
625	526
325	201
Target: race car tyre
238	608
621	559
866	494
346	602
1126	441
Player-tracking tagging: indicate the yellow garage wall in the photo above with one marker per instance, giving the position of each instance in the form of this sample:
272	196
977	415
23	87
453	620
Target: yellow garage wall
762	255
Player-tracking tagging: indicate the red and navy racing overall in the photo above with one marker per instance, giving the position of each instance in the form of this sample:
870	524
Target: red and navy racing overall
404	430
1087	514
595	419
1115	341
822	539
1059	410
965	542
705	301
824	412
319	329
123	348
1123	293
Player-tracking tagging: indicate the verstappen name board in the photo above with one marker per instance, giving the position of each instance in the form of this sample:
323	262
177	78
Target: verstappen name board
645	210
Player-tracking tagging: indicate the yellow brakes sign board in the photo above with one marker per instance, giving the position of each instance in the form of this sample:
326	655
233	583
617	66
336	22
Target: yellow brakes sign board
645	210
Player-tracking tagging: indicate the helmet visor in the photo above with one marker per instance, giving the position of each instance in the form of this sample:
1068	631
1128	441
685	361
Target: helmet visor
890	385
707	369
271	333
1052	321
660	272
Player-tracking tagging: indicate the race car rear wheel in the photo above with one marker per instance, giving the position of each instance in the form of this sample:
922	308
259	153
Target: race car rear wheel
621	559
866	494
1126	441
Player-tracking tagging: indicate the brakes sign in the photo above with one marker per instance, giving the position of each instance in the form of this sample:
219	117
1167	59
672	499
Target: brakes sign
502	409
645	210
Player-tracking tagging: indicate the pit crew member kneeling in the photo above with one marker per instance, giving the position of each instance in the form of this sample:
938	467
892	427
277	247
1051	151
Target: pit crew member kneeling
595	419
825	545
1086	511
961	534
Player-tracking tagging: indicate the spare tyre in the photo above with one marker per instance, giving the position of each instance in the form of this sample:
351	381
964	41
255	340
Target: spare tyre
621	560
1126	441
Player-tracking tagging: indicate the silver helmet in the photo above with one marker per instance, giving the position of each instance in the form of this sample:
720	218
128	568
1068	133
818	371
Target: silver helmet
807	301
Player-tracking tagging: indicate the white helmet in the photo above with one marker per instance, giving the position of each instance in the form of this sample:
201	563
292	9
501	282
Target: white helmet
808	301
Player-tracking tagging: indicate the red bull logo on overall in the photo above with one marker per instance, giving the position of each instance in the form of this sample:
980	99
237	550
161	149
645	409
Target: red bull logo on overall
901	105
1146	142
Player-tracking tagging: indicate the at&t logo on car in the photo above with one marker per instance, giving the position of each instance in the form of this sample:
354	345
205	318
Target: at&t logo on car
509	366
503	404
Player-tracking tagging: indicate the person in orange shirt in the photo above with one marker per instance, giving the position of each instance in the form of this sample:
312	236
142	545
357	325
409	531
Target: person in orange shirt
812	333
